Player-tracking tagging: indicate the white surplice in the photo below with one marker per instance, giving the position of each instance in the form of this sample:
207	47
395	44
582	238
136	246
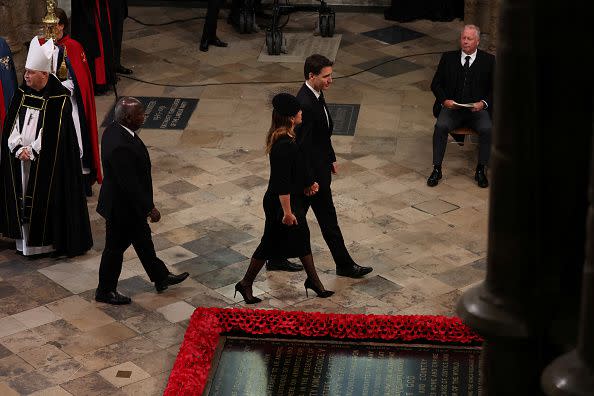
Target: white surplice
32	144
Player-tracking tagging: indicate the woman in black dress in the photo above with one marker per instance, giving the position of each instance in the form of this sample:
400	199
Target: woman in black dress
286	233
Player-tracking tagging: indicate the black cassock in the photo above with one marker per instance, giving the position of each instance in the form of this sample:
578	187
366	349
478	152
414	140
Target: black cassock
54	205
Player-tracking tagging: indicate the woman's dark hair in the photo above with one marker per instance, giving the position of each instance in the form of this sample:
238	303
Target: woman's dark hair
281	125
61	14
314	64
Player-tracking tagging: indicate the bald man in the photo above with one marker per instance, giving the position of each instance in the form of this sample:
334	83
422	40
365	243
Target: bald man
126	201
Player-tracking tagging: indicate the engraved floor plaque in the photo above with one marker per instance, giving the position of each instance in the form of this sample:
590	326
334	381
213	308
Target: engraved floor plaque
248	366
345	118
301	45
163	113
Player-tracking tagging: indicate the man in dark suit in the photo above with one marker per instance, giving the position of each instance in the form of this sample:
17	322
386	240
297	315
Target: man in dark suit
209	32
313	138
118	11
125	201
463	89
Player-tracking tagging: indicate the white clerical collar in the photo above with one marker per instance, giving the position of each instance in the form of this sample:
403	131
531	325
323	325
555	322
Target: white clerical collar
472	57
129	130
313	90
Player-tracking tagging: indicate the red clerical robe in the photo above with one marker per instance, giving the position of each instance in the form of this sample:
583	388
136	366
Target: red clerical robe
79	64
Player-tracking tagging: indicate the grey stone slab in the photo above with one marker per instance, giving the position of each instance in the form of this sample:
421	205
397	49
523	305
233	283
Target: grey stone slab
376	286
6	289
30	382
4	352
232	236
249	182
179	187
134	285
222	277
223	257
195	266
461	276
204	244
91	385
122	312
386	67
393	34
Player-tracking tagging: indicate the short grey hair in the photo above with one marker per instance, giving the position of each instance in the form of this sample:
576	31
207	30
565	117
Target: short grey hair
122	108
473	27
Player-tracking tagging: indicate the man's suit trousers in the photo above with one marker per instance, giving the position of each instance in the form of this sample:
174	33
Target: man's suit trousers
118	237
323	207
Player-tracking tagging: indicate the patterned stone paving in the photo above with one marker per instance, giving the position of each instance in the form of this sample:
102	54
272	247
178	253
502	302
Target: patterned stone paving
427	245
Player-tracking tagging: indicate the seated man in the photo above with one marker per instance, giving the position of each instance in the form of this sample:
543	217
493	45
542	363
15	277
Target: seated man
463	89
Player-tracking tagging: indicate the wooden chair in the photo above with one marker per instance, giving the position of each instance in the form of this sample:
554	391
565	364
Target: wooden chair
462	135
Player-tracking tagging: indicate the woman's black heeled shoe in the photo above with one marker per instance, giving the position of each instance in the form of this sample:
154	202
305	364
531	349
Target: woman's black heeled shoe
241	289
321	293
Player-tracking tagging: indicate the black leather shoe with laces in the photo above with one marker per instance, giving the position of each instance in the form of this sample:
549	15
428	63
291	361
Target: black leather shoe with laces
217	42
113	298
169	280
481	177
435	177
353	271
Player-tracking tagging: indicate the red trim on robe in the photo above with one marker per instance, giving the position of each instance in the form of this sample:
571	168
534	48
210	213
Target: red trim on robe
78	61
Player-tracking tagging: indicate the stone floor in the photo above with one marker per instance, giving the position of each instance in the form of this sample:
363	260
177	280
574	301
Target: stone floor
427	245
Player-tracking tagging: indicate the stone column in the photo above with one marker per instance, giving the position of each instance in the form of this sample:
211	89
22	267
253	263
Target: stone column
538	196
481	13
573	373
66	5
493	25
20	21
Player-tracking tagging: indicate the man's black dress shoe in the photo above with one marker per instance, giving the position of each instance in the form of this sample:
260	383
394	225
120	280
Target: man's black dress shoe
434	178
169	280
353	271
481	177
113	297
283	265
217	42
123	70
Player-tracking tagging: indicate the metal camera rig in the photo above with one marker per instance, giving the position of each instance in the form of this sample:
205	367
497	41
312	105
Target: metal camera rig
274	34
243	18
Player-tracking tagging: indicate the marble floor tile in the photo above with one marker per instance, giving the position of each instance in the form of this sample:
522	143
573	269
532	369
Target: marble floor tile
43	355
92	385
21	341
176	312
156	362
53	391
13	366
124	374
80	313
9	325
36	317
30	382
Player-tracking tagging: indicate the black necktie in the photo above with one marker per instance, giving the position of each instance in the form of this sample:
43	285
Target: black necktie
322	100
467	63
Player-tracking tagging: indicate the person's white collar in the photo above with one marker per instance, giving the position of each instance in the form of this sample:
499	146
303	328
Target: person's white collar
313	90
129	130
472	57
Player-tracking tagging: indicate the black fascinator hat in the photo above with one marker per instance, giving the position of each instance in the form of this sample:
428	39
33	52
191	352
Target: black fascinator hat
286	104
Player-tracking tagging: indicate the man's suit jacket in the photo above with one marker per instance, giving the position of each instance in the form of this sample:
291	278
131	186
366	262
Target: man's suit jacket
127	190
449	78
313	138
